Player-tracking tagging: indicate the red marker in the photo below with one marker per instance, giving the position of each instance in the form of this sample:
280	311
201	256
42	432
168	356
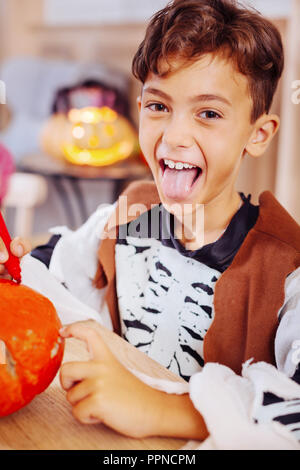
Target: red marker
13	263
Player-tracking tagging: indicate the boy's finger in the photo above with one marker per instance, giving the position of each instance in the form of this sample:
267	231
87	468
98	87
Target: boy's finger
80	391
20	246
6	276
95	344
73	372
3	252
84	410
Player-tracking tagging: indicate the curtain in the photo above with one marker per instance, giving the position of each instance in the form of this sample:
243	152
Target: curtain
287	187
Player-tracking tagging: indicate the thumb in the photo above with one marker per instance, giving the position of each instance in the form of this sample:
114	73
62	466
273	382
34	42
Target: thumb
94	341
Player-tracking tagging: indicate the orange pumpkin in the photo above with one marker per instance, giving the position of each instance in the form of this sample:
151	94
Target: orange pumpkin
89	136
33	349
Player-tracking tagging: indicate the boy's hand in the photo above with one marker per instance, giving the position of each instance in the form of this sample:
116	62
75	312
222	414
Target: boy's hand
102	390
19	247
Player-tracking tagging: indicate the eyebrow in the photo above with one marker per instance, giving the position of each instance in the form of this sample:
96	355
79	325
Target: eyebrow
202	98
155	91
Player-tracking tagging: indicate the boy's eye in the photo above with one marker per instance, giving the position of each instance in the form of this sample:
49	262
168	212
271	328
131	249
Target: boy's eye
209	115
158	107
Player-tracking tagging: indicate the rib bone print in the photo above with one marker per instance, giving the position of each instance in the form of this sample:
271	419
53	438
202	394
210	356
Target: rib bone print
165	303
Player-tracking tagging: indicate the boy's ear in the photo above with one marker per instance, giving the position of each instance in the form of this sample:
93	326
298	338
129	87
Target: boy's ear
139	103
265	129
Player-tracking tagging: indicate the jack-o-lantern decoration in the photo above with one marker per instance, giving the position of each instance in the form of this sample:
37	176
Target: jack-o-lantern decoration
90	136
31	347
100	137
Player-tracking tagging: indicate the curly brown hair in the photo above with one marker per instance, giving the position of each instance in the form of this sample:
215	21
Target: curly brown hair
187	29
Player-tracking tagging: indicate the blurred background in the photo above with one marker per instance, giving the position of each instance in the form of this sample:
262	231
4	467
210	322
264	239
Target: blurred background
68	123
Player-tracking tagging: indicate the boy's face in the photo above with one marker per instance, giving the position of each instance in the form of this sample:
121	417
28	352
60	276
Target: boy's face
198	114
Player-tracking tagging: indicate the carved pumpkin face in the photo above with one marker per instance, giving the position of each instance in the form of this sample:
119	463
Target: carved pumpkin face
100	136
32	349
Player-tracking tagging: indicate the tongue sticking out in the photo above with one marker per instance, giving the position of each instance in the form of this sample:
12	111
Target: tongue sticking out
177	184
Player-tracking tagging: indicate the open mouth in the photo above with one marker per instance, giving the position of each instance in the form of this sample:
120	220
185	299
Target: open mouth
198	172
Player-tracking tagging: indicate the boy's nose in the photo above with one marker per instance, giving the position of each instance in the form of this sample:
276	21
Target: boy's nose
177	133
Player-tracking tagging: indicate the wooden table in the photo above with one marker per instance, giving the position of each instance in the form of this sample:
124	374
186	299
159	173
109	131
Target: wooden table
48	424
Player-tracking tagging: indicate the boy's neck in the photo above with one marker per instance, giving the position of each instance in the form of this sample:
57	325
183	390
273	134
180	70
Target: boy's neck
216	217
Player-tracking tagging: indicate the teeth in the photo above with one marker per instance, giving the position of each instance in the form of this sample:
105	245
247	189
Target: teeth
170	164
178	165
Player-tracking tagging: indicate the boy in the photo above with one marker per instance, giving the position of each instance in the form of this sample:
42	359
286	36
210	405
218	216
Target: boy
187	295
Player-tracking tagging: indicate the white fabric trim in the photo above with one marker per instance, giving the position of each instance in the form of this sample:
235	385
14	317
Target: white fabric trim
287	340
230	403
73	263
69	309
